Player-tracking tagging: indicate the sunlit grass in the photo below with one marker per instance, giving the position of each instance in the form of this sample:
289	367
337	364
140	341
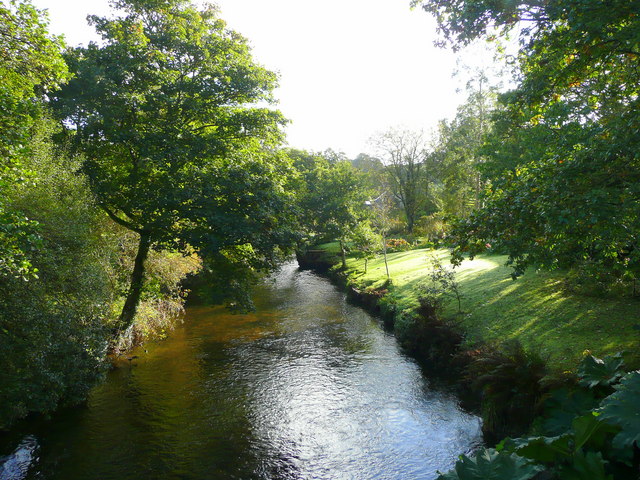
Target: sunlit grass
535	309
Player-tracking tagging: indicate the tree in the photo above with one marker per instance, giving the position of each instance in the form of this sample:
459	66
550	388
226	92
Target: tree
30	65
164	110
405	156
563	159
458	147
332	198
366	242
381	221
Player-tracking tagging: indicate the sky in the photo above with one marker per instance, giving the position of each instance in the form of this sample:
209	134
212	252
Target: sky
349	69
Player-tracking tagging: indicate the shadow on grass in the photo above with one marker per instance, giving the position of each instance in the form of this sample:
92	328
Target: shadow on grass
534	309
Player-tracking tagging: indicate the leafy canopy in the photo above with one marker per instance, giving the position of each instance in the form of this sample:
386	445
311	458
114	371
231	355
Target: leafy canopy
563	160
165	111
30	65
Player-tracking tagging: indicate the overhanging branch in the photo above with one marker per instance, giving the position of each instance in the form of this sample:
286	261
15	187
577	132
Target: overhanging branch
120	221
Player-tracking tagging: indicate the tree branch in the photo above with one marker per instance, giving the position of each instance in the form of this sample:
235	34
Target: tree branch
120	221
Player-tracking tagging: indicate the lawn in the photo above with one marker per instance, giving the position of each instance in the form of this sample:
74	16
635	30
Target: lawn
534	309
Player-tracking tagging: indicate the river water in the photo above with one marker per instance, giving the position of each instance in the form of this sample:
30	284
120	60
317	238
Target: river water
308	387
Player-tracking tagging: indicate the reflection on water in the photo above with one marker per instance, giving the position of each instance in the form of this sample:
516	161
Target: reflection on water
15	466
308	387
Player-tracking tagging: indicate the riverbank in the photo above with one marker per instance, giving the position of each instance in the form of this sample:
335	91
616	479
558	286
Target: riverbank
511	345
536	310
306	386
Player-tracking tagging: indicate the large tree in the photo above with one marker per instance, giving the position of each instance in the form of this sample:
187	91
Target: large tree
563	160
458	147
409	169
165	112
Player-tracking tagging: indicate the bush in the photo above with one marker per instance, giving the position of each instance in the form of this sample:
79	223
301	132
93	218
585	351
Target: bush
509	379
163	296
430	339
594	279
52	337
583	433
440	289
397	245
431	226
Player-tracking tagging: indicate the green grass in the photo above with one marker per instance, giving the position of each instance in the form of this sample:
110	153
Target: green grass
535	309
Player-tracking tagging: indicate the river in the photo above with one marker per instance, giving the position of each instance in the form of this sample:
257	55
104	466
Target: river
307	387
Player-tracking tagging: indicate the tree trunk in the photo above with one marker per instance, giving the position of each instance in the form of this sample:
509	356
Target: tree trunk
384	250
410	222
137	279
344	255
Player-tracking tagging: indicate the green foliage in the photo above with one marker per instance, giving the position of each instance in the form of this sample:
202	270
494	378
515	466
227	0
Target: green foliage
409	172
562	159
442	287
163	293
510	381
52	335
589	278
598	443
458	148
226	279
621	409
434	227
176	148
594	372
30	64
332	195
586	466
539	449
489	464
563	406
365	242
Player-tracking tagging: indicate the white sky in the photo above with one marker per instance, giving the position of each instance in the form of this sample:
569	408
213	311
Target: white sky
348	68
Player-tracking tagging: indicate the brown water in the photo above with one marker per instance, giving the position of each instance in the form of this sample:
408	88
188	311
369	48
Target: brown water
308	387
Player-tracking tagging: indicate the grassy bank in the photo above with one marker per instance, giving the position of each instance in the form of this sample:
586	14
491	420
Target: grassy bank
535	309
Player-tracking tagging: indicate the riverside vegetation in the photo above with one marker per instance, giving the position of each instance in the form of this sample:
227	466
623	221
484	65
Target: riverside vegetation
154	162
521	362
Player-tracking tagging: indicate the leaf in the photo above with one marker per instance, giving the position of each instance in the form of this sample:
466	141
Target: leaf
563	407
488	464
622	408
589	429
595	372
589	466
544	449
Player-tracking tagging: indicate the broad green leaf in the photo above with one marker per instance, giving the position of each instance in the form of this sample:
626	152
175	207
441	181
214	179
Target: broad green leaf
595	372
544	449
563	407
489	464
589	466
622	408
590	430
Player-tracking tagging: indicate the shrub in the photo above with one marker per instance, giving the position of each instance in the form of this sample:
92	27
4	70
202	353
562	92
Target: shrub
397	245
594	279
52	336
509	379
440	289
583	437
163	296
432	226
430	339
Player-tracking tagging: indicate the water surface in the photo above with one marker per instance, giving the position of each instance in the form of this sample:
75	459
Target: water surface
308	387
